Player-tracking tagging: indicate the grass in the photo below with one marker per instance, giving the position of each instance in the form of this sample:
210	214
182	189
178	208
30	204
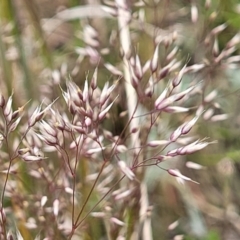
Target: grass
101	131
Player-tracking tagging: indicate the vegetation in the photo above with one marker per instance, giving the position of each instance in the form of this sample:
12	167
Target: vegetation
119	120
